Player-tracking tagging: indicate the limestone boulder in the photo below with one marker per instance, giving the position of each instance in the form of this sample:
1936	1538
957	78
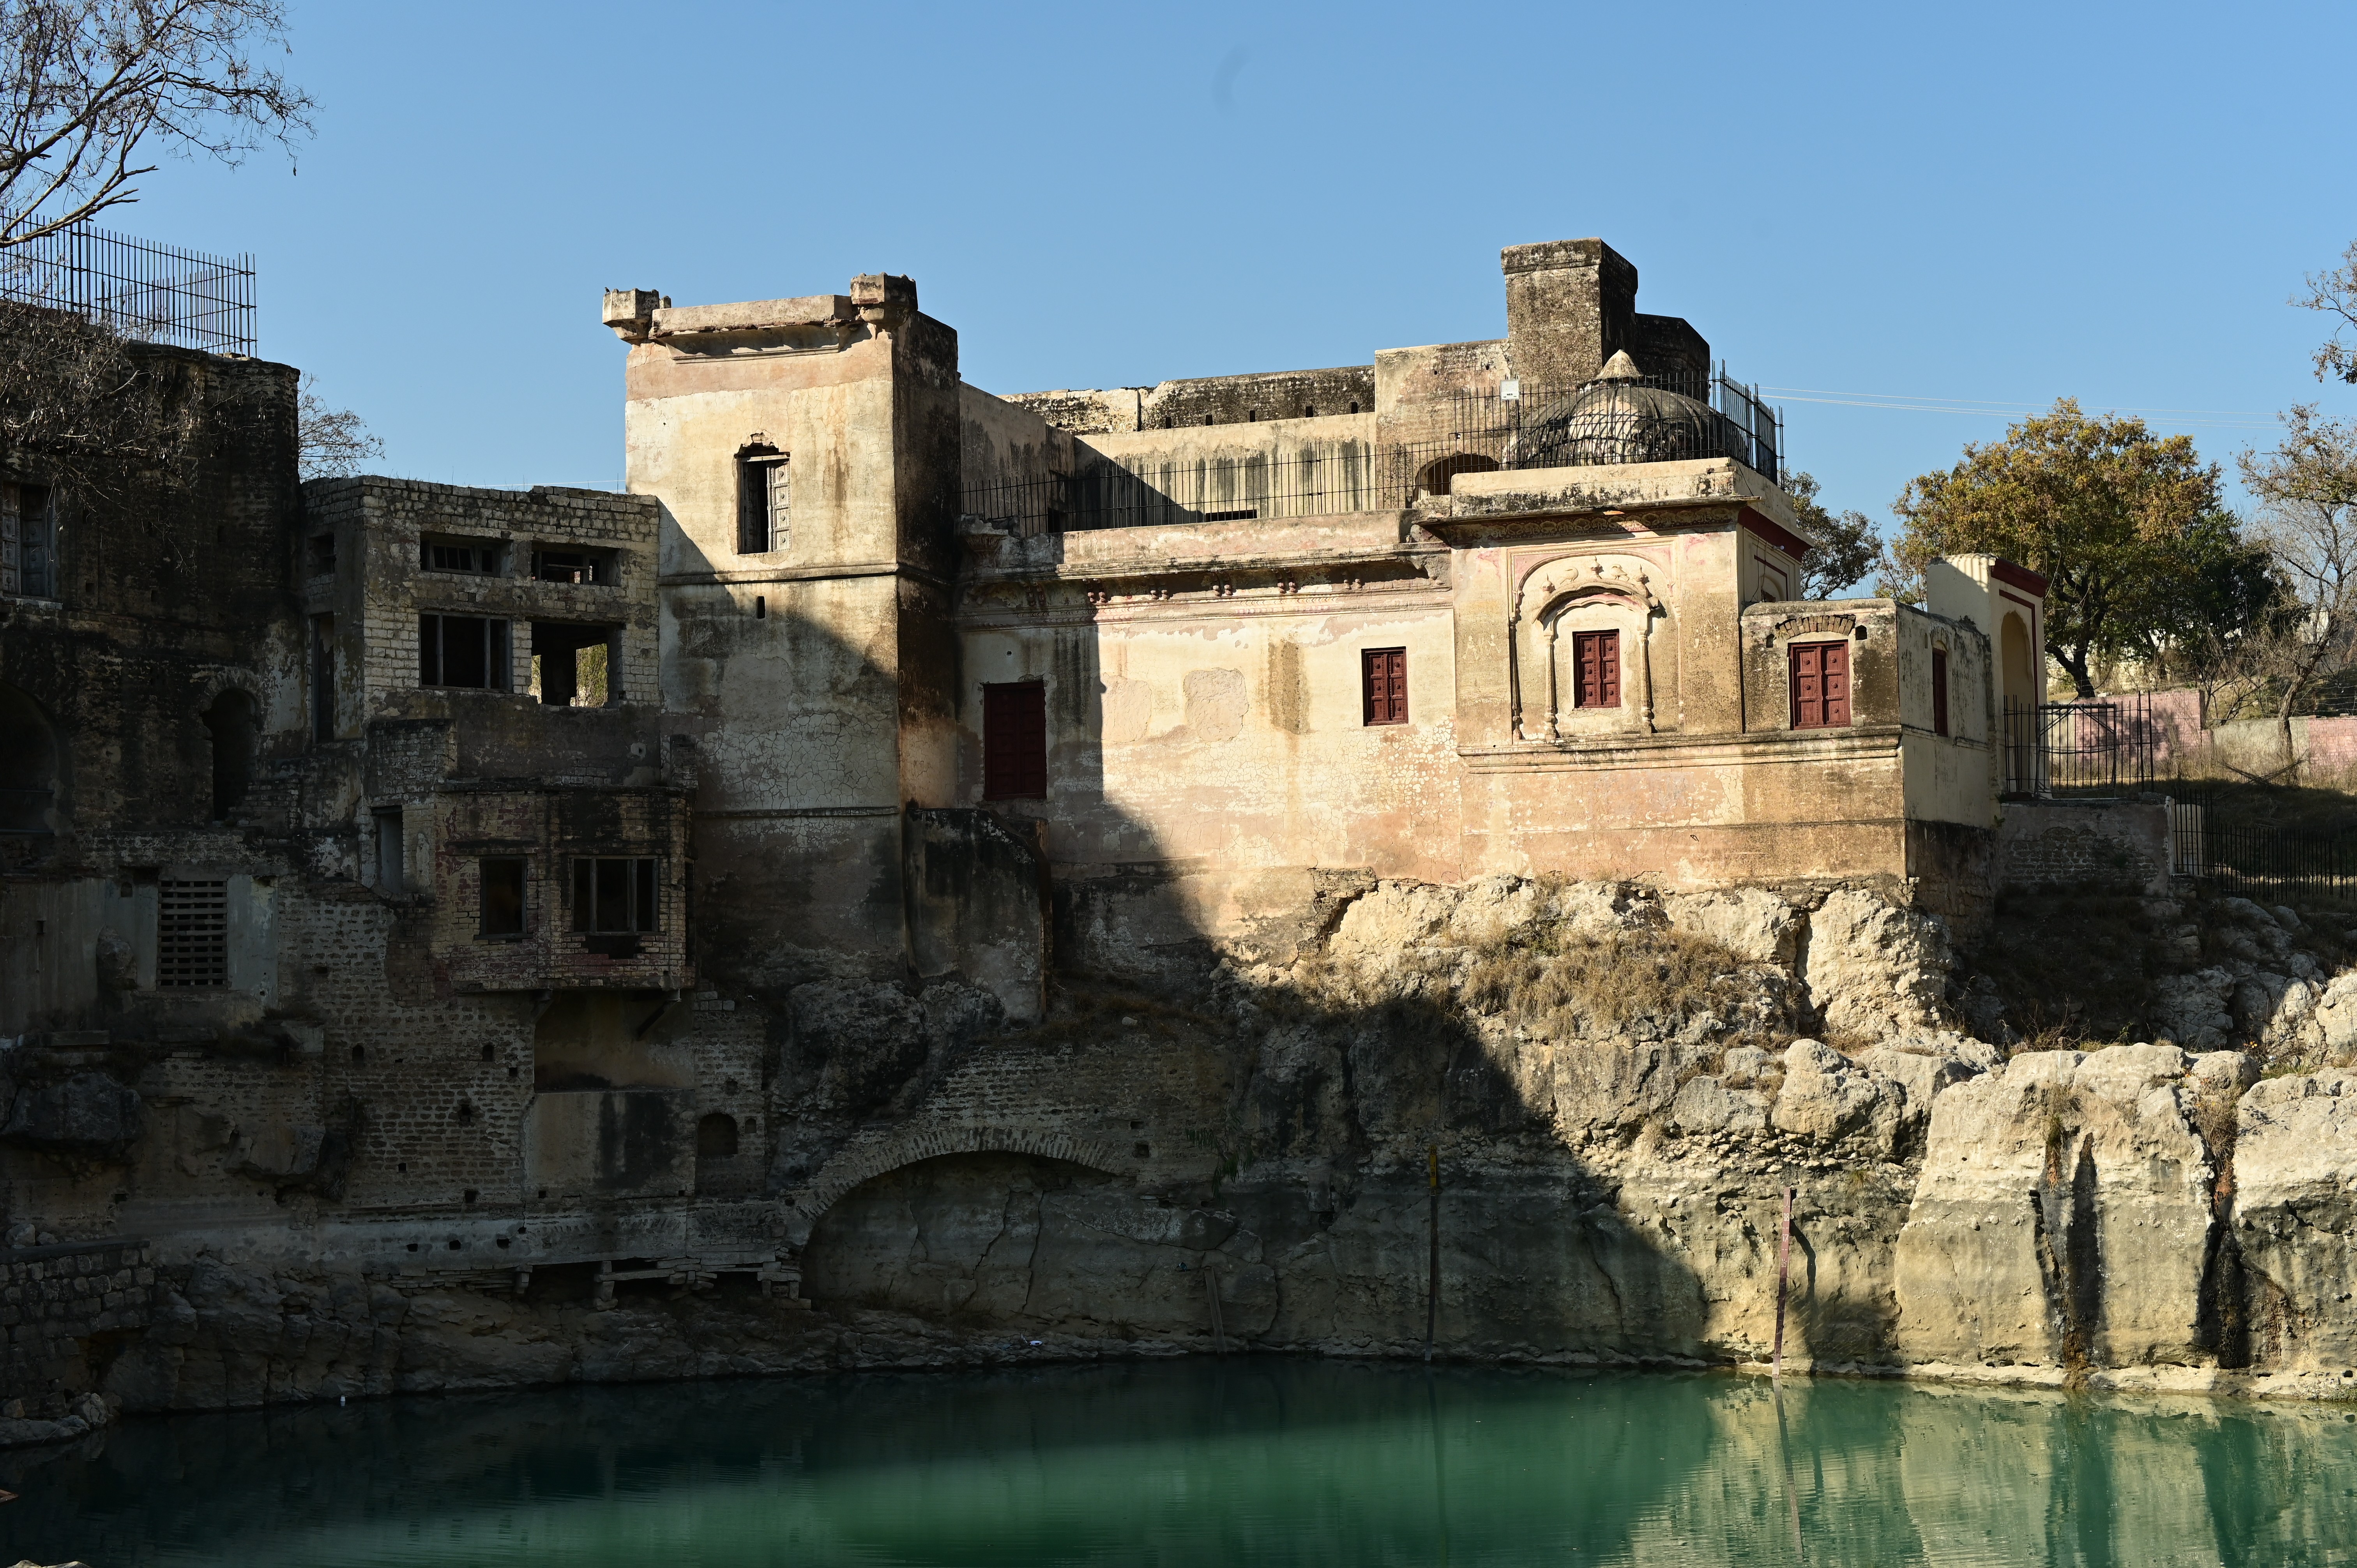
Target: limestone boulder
2296	1216
1752	923
2336	1015
1706	1105
87	1115
2063	1213
1827	1096
2193	1009
1394	918
1874	968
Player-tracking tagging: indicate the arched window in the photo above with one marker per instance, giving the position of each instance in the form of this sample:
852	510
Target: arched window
1440	475
716	1136
29	765
231	722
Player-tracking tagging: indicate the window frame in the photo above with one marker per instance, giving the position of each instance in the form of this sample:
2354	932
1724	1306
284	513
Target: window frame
192	951
494	554
433	653
764	501
1008	718
642	895
1608	686
29	541
485	929
1382	707
1824	703
1939	692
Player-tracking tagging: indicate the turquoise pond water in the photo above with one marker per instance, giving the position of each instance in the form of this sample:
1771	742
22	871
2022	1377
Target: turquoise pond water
1247	1460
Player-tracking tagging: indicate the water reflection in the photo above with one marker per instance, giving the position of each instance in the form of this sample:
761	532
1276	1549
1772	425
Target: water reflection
1245	1460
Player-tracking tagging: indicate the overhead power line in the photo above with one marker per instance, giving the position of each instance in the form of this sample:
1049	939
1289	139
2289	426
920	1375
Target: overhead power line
2211	418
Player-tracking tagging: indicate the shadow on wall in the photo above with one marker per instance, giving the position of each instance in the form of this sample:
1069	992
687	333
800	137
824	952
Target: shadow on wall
1249	1120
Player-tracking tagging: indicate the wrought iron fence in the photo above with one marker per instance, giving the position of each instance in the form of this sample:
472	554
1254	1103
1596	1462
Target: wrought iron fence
2096	748
2266	866
157	294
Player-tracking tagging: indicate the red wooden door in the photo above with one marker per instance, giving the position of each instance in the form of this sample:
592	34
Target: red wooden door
1015	741
1820	685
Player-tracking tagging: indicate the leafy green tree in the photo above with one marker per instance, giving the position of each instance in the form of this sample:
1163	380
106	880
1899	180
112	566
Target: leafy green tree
1848	547
2122	522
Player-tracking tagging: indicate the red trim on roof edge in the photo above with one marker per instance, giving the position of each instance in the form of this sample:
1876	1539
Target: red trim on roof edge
1766	531
2021	577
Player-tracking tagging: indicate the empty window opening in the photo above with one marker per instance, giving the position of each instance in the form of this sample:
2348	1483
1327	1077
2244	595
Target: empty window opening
1939	691
27	541
319	554
390	876
1383	685
761	606
1309	412
462	650
1251	416
476	557
1355	408
503	912
568	563
764	499
572	665
1820	685
716	1136
323	677
1595	667
1207	419
192	934
1014	740
231	723
1440	474
614	894
29	765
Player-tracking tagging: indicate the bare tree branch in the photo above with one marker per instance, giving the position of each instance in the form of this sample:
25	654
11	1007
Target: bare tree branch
87	86
333	442
2334	292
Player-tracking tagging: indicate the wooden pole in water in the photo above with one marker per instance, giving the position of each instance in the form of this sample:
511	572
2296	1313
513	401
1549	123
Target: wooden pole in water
1432	1281
1784	1258
1219	1320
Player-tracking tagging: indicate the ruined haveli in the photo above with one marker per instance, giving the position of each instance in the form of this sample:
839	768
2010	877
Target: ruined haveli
927	876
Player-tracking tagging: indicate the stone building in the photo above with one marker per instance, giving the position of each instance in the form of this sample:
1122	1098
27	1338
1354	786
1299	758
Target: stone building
449	885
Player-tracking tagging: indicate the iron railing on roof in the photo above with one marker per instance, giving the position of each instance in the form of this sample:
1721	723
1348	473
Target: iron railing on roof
156	293
1596	422
2094	748
1529	426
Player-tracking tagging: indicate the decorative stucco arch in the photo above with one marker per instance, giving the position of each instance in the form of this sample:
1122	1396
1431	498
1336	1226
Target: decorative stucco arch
864	1164
1555	594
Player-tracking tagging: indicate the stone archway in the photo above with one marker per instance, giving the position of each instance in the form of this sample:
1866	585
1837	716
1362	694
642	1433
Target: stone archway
865	1163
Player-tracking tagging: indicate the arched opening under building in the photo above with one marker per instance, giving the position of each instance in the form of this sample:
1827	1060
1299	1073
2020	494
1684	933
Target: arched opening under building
988	1238
1437	477
29	765
231	723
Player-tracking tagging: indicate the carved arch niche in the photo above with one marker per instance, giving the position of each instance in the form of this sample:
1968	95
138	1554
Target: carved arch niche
1563	598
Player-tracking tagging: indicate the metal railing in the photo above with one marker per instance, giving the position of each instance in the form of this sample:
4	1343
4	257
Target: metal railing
2266	866
1561	426
1594	422
156	293
2088	748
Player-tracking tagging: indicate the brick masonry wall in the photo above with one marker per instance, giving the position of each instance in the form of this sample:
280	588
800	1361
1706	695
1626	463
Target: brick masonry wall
2114	846
53	1302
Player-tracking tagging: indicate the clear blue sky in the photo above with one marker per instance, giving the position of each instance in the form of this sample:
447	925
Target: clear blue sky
1984	202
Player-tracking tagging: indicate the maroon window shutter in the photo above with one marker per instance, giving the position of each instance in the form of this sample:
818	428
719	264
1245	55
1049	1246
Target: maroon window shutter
1596	657
1939	693
1383	681
1820	685
1836	683
1015	741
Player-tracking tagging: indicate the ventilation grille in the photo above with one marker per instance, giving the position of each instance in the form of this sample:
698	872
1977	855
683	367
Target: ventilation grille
193	934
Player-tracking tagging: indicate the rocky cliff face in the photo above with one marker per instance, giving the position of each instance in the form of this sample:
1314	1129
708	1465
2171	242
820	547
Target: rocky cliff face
1617	1087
